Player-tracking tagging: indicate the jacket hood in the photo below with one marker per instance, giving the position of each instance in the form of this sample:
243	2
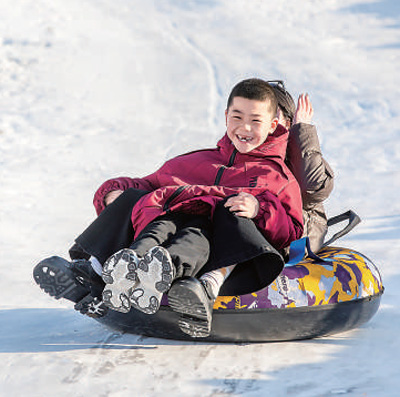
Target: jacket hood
274	146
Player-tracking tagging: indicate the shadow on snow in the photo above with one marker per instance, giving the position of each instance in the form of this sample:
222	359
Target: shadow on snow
49	330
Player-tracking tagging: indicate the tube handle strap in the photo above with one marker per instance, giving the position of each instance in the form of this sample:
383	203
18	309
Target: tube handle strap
350	216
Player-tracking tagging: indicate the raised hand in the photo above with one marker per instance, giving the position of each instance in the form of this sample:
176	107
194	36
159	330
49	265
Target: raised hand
304	112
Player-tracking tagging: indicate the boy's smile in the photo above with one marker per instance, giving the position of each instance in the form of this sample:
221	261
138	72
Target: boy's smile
249	122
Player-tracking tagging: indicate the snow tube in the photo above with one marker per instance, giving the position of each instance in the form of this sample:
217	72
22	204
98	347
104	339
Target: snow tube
309	299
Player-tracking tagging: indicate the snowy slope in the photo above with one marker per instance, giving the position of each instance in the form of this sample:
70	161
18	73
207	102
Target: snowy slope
94	89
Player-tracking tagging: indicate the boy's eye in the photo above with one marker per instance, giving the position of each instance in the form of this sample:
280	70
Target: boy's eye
257	121
236	117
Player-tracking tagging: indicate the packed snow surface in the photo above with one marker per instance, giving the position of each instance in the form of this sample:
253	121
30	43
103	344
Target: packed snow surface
91	90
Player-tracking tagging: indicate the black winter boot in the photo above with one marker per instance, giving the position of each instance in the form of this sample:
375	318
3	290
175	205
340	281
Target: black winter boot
194	301
75	281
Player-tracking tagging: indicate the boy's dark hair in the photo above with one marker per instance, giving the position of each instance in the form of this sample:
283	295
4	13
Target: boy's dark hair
285	100
256	89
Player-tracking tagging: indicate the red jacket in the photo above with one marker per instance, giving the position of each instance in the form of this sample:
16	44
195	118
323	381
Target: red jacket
196	181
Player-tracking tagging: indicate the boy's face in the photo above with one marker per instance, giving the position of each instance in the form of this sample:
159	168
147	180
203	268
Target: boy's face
249	122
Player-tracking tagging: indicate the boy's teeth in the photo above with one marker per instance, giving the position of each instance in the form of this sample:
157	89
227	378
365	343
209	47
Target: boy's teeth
244	139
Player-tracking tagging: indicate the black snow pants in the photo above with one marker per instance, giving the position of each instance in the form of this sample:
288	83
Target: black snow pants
185	236
234	240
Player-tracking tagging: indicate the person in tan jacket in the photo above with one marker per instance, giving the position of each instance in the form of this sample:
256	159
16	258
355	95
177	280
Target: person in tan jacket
304	158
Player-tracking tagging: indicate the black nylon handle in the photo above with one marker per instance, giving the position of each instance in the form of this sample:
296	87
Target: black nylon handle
353	219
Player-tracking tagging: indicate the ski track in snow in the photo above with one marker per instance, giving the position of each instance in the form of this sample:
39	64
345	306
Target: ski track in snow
171	32
91	90
175	36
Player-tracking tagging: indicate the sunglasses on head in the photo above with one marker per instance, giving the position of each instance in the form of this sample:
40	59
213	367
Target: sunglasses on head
277	83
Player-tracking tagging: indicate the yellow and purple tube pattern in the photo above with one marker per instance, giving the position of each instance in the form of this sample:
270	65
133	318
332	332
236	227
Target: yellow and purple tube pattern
346	275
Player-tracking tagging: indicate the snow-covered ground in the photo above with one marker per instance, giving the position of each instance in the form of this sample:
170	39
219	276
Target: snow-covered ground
95	89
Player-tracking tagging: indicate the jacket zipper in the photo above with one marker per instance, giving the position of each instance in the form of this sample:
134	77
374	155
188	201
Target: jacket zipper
224	167
173	196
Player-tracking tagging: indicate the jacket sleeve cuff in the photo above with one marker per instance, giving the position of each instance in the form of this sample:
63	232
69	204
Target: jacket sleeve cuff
104	189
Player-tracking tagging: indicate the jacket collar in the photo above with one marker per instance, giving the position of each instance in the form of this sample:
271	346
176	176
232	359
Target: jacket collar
274	146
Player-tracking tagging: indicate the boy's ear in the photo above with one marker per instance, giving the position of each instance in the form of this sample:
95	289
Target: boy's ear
274	124
226	117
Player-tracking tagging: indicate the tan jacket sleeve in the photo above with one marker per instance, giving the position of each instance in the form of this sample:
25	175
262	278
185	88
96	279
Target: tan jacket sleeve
306	162
315	177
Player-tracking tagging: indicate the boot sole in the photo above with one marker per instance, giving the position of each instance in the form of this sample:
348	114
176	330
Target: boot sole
156	274
54	277
91	306
191	302
137	283
119	280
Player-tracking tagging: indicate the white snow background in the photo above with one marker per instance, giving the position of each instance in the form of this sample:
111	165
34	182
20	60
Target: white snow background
91	90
